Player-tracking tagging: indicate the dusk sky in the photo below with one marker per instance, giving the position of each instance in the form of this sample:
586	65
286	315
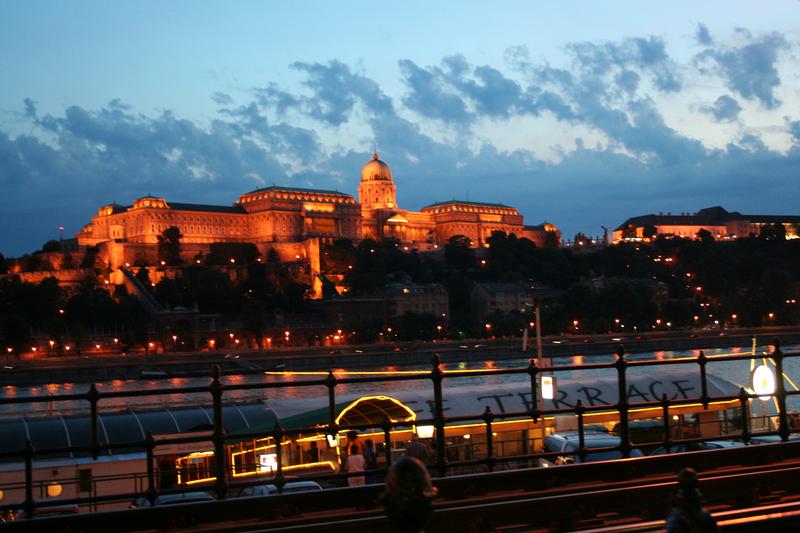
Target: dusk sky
578	113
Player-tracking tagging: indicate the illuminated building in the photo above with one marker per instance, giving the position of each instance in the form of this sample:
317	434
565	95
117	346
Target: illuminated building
293	221
718	222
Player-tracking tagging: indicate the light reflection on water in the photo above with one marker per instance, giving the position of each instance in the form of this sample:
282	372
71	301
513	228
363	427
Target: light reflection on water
734	371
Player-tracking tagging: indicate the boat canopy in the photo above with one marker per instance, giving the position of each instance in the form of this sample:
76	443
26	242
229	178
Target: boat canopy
51	432
501	397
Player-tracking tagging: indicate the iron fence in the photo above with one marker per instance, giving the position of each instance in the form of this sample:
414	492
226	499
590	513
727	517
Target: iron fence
441	465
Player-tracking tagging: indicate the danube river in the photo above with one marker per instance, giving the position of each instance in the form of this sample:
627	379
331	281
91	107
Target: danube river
737	372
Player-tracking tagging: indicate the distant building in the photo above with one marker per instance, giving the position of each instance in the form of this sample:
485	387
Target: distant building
290	214
428	298
294	221
490	297
720	223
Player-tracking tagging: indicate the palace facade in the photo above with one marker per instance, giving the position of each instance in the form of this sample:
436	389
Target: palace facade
288	218
720	223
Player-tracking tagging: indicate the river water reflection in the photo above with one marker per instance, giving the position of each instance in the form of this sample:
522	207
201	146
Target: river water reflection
735	371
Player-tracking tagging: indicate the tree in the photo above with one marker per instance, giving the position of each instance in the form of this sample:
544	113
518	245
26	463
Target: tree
580	239
705	236
51	246
550	239
169	246
458	254
68	261
254	320
649	231
773	232
3	264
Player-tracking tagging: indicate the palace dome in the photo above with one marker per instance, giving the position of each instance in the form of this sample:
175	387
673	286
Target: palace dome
376	170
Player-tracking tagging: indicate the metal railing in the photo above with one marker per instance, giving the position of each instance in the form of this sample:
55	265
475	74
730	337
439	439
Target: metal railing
216	389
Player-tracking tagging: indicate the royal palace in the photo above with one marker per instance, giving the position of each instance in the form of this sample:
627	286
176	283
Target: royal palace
293	221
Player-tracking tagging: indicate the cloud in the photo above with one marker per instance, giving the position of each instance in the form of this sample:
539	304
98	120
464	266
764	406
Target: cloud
432	133
429	95
702	35
724	109
648	55
222	98
749	70
794	130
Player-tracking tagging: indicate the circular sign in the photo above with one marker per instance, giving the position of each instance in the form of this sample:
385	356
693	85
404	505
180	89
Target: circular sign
764	382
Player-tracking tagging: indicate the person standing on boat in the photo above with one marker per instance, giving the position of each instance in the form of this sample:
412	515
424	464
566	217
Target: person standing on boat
355	463
370	461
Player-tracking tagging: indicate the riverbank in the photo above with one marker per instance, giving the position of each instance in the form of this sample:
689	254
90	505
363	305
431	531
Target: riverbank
155	366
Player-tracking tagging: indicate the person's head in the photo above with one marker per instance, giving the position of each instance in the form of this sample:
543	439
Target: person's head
408	494
353	450
352	435
688	496
368	444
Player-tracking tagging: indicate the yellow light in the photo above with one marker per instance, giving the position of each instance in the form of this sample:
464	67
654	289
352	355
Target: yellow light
303	466
425	432
411	414
198	481
54	490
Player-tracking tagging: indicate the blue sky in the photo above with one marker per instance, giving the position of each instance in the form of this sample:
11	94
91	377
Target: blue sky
579	113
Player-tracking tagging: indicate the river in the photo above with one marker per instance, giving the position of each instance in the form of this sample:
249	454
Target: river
735	371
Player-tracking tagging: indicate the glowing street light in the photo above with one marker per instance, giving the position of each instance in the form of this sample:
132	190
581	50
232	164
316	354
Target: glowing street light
764	382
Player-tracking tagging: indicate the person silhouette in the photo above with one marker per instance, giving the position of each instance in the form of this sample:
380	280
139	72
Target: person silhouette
408	494
688	516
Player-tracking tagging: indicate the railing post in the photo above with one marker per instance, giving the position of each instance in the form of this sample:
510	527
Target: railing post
218	437
438	415
780	392
30	504
702	360
622	406
743	402
277	434
93	396
666	440
149	446
487	417
330	382
580	410
386	426
533	371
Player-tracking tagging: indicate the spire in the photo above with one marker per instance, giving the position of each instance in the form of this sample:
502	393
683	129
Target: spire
375	150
